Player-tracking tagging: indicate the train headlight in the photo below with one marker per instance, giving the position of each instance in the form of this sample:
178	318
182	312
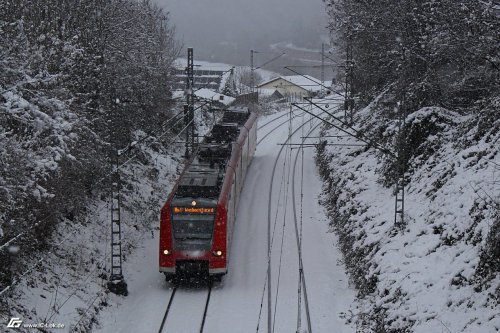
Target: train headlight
193	203
218	253
166	252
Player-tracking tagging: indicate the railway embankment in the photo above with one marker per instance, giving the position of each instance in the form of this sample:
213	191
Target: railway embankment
439	270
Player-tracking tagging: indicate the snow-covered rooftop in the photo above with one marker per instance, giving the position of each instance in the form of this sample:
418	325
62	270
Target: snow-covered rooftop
306	82
266	92
214	96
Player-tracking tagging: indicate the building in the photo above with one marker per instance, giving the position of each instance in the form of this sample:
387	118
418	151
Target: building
203	78
211	76
217	99
294	87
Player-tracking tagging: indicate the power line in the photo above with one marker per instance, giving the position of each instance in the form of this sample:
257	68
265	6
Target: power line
358	135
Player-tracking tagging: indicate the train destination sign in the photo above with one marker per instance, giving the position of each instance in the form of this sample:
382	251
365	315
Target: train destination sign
194	210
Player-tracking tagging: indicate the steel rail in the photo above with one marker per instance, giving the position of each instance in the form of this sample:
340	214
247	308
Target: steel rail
169	307
269	245
299	241
164	320
274	119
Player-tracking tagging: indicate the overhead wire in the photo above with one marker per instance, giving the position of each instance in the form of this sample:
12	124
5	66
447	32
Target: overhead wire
7	243
357	134
107	256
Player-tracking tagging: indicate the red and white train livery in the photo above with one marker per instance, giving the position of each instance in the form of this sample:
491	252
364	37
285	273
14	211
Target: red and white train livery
197	221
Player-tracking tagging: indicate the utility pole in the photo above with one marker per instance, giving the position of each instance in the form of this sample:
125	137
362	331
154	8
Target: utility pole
399	205
116	283
349	78
252	78
189	106
322	91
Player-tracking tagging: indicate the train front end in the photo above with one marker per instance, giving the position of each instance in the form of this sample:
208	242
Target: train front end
192	230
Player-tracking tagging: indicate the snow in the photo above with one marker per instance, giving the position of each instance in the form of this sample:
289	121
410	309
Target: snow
213	96
235	302
68	284
425	270
307	82
177	94
423	273
266	92
206	94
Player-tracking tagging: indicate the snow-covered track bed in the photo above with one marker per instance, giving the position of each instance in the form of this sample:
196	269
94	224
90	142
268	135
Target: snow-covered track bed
275	119
298	233
186	309
277	126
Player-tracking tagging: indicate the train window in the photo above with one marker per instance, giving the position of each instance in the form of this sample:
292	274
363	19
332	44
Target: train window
193	231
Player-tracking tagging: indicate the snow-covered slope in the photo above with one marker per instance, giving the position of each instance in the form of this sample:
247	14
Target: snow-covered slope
439	271
68	284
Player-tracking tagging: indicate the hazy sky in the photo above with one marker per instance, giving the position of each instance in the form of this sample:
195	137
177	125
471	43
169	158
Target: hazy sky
226	30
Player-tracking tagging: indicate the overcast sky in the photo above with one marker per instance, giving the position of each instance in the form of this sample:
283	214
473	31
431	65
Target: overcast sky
226	30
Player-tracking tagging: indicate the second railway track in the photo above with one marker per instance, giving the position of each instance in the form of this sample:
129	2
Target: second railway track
290	136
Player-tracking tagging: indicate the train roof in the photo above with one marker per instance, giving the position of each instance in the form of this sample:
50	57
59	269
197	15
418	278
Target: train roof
236	114
199	180
204	176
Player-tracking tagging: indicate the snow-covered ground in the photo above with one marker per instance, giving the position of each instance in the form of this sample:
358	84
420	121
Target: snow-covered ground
236	301
422	276
68	284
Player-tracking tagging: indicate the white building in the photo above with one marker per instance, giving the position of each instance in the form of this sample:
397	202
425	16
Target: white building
294	87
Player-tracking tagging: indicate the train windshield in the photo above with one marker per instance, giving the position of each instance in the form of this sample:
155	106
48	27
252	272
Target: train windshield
193	231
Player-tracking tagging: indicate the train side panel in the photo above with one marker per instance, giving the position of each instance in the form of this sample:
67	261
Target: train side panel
218	255
232	186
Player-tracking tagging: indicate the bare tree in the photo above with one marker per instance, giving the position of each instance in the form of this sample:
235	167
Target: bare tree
244	78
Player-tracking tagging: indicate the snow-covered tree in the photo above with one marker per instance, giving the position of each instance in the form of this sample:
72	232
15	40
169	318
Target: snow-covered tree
438	52
77	80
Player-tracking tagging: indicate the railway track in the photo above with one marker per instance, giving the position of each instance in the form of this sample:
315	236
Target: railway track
187	308
184	306
298	231
277	126
274	119
301	272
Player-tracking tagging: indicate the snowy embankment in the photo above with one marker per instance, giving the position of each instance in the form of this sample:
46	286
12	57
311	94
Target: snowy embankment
69	286
439	271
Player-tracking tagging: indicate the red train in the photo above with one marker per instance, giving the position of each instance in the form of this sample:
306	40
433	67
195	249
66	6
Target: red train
197	221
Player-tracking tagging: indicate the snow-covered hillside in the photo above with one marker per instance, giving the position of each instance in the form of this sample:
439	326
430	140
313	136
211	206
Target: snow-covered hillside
439	271
68	284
